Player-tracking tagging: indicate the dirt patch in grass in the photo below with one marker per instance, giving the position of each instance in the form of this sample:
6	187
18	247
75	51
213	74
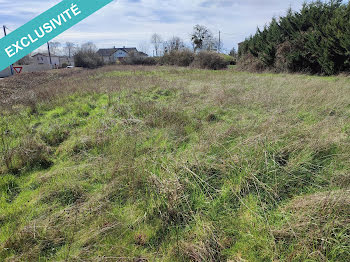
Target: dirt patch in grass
15	89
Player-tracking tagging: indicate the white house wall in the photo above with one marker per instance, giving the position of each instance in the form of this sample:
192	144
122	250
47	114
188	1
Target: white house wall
39	59
55	60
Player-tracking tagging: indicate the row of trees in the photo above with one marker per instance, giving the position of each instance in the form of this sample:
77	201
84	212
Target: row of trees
201	38
173	51
68	49
162	47
314	40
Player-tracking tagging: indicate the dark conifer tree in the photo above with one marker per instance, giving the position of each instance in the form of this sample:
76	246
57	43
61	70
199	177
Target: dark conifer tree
316	40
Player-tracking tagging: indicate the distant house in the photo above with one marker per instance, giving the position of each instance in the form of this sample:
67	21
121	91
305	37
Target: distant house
56	61
110	55
44	59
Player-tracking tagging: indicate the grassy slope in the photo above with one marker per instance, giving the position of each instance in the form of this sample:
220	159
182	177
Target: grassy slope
170	164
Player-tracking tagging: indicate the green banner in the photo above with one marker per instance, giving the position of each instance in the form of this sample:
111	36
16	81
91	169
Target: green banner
45	27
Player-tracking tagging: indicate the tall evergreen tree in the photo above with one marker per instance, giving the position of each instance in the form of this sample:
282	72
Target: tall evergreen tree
316	39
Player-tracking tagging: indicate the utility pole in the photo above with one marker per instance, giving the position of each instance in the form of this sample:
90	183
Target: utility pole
4	26
219	47
48	48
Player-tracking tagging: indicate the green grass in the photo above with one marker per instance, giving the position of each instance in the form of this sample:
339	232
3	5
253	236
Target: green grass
173	164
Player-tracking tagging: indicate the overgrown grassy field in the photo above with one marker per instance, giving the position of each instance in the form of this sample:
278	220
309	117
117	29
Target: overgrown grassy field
174	164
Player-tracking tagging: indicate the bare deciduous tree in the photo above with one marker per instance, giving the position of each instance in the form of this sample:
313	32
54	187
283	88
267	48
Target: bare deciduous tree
212	44
25	60
144	47
173	44
156	40
89	46
55	48
69	48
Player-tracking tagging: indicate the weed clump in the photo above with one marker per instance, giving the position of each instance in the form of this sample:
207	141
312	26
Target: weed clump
55	135
31	243
317	226
170	193
28	155
66	196
201	244
277	176
9	188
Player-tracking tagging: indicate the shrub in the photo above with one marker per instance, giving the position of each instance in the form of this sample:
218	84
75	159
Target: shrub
88	59
230	60
251	63
135	59
209	60
178	58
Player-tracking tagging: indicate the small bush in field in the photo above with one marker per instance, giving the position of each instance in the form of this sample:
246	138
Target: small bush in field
178	58
88	59
209	60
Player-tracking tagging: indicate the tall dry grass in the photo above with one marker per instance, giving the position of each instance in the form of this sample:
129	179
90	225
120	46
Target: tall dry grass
175	164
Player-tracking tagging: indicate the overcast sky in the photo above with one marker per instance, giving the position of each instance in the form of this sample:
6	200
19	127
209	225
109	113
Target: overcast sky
131	22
